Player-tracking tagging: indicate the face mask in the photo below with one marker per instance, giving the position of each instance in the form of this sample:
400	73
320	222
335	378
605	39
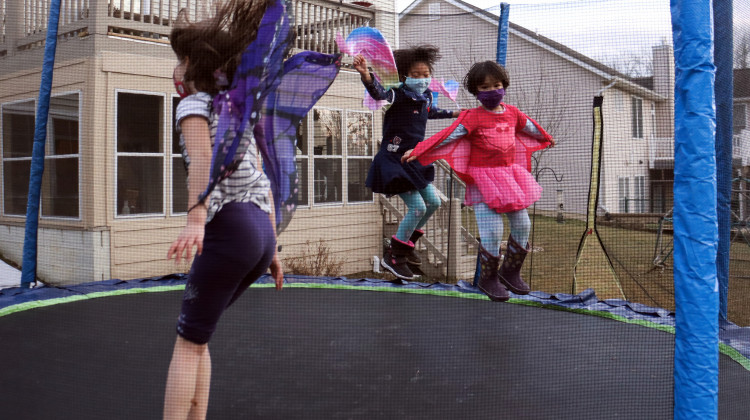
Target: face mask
179	86
418	85
491	98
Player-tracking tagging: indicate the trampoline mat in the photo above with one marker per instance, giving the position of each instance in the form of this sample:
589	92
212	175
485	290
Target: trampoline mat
346	354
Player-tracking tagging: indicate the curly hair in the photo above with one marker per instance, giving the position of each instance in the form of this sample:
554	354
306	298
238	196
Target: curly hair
216	43
479	72
407	57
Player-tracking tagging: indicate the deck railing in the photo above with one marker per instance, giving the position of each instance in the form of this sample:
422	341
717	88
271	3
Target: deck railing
24	22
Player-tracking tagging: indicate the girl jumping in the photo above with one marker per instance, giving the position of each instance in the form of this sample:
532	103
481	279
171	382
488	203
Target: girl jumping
490	148
404	126
230	75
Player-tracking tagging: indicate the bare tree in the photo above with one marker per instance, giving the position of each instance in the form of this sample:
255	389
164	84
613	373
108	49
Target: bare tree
638	63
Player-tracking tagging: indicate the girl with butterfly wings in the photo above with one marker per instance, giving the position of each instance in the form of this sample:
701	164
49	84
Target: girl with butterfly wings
237	121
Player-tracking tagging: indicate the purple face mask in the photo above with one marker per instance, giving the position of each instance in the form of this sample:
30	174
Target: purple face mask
491	98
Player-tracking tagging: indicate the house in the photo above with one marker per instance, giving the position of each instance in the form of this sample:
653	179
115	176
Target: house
114	194
741	145
555	85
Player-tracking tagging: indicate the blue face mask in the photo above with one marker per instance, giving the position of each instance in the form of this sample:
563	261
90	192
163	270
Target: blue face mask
418	85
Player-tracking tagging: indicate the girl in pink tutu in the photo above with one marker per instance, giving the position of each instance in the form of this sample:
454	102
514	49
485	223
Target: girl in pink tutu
490	148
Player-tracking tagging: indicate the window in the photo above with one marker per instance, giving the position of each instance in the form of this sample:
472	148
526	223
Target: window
60	179
434	11
623	190
327	163
18	140
359	155
140	154
739	118
636	108
341	145
179	173
60	182
639	186
302	162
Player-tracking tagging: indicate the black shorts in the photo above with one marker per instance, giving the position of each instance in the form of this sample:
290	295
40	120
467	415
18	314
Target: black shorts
238	246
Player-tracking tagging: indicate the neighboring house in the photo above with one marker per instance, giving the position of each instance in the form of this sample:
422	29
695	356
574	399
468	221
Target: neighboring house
556	85
114	194
741	145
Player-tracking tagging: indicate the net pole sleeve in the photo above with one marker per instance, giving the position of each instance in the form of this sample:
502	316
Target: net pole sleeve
696	353
29	262
502	34
723	51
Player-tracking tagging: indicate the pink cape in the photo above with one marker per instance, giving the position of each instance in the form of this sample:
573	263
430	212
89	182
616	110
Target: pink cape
504	188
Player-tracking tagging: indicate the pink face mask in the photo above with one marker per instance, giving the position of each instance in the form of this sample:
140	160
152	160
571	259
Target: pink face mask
179	85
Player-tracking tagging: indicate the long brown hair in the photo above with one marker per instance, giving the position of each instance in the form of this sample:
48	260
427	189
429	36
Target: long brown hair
216	43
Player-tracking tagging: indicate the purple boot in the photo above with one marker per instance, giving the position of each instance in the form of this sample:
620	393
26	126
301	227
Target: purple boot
488	282
510	270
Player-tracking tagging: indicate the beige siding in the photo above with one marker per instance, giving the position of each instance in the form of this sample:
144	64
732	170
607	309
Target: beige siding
136	247
139	245
352	233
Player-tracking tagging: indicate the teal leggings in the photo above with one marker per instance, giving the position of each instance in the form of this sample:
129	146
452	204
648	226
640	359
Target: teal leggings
421	204
490	226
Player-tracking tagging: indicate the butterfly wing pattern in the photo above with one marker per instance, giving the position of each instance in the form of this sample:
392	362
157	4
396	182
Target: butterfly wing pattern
256	100
306	77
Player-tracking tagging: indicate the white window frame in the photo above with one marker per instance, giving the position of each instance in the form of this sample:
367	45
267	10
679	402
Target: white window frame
347	157
743	112
639	191
164	154
636	117
171	160
46	157
623	194
344	156
2	152
308	122
312	156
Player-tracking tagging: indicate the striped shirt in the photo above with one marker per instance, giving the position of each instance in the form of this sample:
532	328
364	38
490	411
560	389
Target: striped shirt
246	184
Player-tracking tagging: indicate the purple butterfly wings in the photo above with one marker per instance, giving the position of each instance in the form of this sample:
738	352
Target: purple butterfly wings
270	97
306	77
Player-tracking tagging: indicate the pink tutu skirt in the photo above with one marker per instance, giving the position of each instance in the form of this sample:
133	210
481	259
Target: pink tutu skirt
504	189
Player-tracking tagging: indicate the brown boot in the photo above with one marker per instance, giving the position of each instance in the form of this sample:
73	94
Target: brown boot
412	257
510	270
488	282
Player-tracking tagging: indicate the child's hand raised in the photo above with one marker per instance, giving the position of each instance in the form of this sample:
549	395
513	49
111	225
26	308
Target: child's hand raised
360	64
407	157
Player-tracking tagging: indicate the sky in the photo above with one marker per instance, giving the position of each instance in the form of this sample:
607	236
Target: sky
606	30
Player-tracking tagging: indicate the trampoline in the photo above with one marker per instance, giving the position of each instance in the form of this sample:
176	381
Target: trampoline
337	348
330	348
